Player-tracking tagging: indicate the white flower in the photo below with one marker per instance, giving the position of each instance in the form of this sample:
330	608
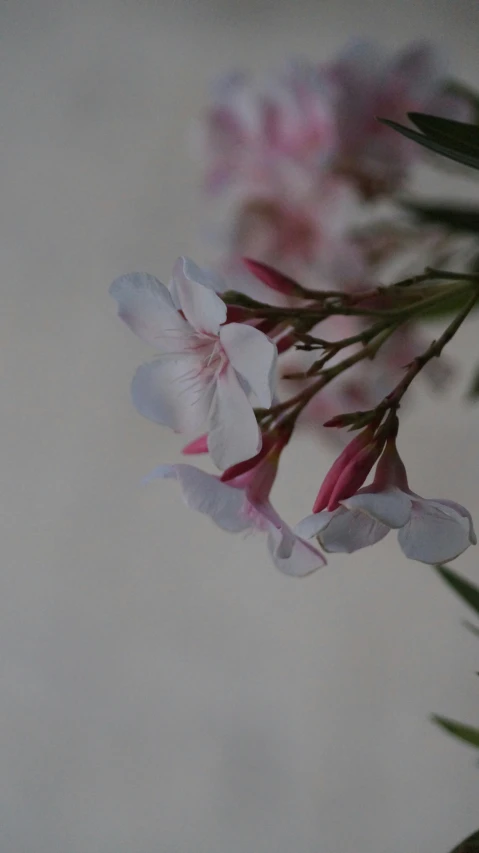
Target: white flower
207	368
242	504
431	531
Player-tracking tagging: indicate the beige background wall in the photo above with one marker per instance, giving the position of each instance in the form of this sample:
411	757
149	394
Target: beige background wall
162	688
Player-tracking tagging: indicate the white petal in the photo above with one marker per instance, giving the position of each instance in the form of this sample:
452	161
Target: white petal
465	514
436	532
173	392
145	305
310	526
391	506
198	301
233	434
207	494
291	555
253	356
350	530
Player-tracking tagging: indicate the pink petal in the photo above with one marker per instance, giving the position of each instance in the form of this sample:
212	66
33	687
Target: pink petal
349	531
198	445
194	290
205	493
145	305
233	434
253	356
173	392
291	555
391	507
436	532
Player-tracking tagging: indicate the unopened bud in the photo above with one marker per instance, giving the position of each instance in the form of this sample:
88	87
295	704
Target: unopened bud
273	278
339	467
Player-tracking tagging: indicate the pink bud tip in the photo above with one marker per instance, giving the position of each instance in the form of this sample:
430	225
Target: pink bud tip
198	445
236	314
273	278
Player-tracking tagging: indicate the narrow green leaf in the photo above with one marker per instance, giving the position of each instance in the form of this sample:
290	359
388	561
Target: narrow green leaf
473	390
469	845
464	218
464	588
453	152
458	133
468	734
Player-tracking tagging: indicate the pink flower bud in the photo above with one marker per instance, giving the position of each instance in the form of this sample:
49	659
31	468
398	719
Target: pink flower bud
237	314
340	466
273	278
354	475
285	343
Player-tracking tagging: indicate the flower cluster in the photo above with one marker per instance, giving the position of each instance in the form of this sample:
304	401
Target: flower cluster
208	376
298	295
299	166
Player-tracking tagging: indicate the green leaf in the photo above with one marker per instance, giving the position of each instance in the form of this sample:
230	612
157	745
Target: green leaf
461	135
464	588
463	218
445	144
473	390
469	845
468	734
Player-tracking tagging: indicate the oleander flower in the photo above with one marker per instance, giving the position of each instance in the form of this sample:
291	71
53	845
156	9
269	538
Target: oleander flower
251	132
207	368
239	501
429	530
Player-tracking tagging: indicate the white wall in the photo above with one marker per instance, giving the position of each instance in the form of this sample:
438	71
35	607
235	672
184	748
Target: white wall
162	688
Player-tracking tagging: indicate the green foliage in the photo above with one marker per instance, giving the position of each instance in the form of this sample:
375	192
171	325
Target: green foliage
469	845
459	218
462	587
473	390
454	139
468	734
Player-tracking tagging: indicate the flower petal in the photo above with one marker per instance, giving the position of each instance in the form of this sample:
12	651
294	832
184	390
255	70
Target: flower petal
145	305
310	526
207	494
193	287
173	392
253	356
233	434
390	506
292	555
436	532
465	514
350	530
